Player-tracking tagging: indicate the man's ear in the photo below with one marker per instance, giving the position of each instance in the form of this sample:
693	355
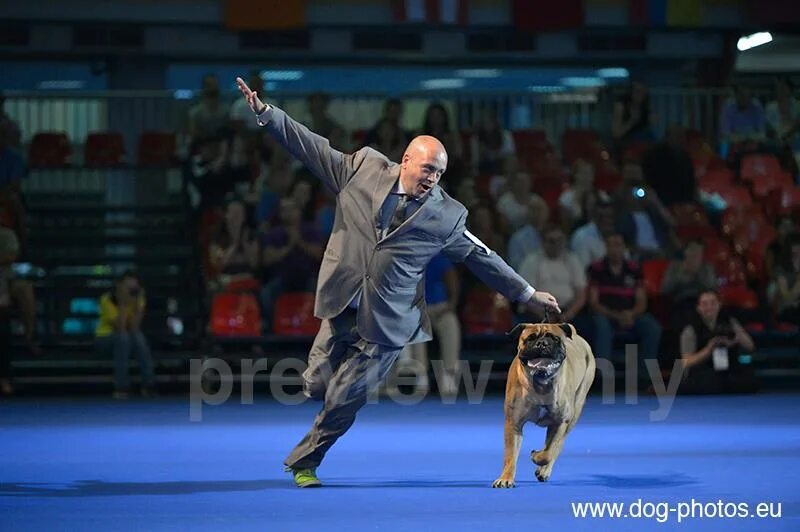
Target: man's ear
517	329
568	329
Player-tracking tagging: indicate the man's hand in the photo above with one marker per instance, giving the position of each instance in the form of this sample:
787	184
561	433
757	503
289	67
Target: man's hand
252	97
546	300
626	319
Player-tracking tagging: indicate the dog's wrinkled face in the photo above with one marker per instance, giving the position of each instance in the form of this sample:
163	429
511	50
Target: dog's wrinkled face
541	349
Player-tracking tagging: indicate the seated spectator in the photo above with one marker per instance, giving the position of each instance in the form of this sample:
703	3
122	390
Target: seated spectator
632	119
14	291
577	200
208	173
119	333
642	215
234	249
777	253
710	348
619	303
390	140
743	120
467	195
526	240
321	122
517	203
290	257
788	285
783	120
588	241
491	144
209	115
668	168
437	124
481	223
564	276
441	297
277	184
393	113
687	278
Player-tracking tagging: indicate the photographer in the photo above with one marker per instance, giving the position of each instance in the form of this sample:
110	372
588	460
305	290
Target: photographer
119	333
710	348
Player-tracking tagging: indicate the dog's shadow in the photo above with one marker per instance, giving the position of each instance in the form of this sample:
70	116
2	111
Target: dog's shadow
631	481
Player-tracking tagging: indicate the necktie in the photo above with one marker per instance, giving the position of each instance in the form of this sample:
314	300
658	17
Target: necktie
399	215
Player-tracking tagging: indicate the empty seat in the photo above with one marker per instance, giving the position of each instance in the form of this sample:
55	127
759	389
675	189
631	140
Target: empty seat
104	149
653	272
236	315
757	166
294	315
583	144
49	150
486	312
156	148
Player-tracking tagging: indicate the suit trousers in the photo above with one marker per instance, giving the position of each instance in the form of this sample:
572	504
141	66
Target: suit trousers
448	332
343	369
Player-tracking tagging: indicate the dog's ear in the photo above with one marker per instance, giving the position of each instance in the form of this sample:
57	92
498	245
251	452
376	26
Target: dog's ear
517	329
567	328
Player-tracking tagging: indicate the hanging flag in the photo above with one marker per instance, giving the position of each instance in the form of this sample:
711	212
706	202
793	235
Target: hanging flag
265	14
431	11
547	15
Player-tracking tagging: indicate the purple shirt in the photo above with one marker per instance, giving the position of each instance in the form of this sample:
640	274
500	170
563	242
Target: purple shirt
746	122
297	266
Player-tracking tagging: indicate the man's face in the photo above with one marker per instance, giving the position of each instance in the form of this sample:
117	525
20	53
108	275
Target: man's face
604	218
615	248
421	169
708	306
553	244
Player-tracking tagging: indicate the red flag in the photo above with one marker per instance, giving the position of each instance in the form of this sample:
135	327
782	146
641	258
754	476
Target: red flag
546	15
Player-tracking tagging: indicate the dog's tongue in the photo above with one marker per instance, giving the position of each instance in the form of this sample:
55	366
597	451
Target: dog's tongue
539	363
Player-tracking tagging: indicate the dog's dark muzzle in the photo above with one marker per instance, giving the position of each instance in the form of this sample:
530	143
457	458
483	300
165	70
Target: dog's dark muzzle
542	356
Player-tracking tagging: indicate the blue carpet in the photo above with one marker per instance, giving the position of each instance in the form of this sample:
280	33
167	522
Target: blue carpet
82	464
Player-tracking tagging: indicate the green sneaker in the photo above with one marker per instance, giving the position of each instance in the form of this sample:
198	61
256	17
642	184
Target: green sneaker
306	478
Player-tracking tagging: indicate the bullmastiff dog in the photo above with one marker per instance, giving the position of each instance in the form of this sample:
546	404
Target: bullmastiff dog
547	384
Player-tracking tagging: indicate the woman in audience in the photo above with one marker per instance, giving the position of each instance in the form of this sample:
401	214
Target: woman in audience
632	119
491	144
234	249
119	333
437	124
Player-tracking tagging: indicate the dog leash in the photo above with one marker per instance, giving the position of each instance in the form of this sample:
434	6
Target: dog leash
546	318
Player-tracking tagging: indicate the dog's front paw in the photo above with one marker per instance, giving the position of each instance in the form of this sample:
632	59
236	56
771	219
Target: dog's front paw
503	482
543	472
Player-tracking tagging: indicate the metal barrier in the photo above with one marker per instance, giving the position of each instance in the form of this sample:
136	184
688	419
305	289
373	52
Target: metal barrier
131	113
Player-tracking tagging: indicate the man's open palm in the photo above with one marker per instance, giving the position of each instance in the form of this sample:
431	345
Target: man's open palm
252	97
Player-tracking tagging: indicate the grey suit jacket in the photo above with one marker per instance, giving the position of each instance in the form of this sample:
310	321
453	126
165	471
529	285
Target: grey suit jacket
388	271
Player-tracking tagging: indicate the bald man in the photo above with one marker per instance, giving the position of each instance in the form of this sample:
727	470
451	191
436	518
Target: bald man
391	220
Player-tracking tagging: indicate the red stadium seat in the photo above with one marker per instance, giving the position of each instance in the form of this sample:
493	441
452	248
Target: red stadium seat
716	249
583	144
653	272
736	196
49	150
104	149
689	214
715	180
634	152
685	233
735	217
738	296
235	315
757	166
730	272
156	148
764	186
294	315
486	312
607	177
530	139
784	200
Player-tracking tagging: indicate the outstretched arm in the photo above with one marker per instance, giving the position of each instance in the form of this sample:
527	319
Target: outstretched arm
331	166
463	246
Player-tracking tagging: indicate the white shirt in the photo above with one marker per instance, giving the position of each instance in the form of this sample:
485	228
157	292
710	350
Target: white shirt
563	276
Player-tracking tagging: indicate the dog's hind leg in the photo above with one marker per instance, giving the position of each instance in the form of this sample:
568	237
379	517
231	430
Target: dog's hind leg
512	439
553	443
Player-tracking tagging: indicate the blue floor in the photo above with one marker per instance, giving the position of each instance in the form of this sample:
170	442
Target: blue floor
83	464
